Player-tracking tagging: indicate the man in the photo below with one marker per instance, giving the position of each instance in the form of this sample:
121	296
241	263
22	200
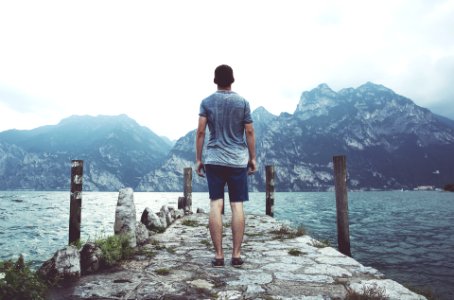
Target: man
229	158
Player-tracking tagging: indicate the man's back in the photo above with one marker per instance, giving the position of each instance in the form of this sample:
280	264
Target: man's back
226	113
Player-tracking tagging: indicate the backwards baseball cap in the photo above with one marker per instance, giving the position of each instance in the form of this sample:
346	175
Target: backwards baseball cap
223	75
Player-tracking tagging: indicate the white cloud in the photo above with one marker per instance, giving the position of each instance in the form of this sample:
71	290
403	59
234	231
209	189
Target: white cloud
154	60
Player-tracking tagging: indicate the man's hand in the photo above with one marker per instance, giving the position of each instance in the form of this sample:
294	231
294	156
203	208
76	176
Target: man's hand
200	169
252	166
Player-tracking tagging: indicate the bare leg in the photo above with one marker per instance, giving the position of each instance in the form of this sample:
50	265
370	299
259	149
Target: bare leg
215	224
238	225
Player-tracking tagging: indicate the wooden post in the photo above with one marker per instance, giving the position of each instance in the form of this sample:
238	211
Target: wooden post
181	202
270	190
76	200
188	189
340	179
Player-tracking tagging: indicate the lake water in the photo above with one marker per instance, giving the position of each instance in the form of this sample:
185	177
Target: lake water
408	236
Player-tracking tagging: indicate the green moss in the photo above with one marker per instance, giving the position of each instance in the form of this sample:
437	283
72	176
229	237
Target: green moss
206	242
190	223
252	234
295	252
171	250
162	271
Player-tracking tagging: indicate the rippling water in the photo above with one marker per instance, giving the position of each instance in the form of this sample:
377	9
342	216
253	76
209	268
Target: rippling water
409	236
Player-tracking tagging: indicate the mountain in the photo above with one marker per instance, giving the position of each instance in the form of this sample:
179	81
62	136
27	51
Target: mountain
117	152
389	141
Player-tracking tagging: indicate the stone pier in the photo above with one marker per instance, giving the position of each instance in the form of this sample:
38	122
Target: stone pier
279	264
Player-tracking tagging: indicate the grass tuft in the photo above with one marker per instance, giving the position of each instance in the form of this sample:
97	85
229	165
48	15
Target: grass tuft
18	281
205	242
190	223
171	250
321	244
295	252
285	232
371	292
162	271
114	249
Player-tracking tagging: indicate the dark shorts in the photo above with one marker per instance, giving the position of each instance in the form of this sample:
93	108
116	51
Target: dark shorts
235	178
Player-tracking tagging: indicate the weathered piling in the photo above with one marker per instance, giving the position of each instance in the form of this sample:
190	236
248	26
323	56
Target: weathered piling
181	202
188	189
340	178
75	200
270	190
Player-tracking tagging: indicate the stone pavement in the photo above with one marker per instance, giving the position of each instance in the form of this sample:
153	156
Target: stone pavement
279	264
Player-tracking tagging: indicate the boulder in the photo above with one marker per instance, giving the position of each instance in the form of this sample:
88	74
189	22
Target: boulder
151	220
179	214
166	212
125	215
173	213
200	211
90	258
163	219
64	265
142	234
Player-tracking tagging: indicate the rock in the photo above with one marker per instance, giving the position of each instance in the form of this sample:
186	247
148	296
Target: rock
179	214
167	214
200	211
151	220
125	215
65	264
173	213
142	234
90	258
163	219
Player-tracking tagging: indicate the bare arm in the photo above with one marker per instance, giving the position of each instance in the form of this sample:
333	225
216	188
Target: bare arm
199	140
250	139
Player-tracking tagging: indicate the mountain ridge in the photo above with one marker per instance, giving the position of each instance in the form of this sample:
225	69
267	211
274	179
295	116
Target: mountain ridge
390	143
117	150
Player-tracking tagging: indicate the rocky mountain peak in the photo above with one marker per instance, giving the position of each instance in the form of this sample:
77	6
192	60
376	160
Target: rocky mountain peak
370	86
260	114
316	102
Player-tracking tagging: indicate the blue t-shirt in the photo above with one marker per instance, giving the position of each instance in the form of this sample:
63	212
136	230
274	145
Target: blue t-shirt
226	113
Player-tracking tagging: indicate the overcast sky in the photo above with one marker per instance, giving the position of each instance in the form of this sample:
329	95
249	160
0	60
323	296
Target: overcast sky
154	60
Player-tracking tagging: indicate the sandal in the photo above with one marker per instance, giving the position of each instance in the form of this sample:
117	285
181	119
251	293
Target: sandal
217	263
237	262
